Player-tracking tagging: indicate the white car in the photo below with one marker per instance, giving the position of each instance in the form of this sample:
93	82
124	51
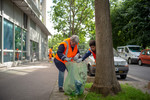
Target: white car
121	65
130	52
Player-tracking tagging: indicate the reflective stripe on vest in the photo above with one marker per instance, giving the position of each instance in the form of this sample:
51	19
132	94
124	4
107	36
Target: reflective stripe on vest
67	48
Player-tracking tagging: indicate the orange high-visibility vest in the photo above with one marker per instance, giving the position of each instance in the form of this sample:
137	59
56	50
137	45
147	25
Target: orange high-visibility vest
68	50
17	54
50	53
94	55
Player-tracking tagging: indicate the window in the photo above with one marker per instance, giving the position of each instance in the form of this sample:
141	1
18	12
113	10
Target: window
33	25
0	38
34	50
148	52
24	56
17	38
0	6
0	33
8	56
24	40
143	52
25	20
126	50
135	49
120	50
24	45
8	35
43	47
0	57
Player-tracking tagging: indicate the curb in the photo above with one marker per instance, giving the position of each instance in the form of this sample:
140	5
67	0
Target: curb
56	95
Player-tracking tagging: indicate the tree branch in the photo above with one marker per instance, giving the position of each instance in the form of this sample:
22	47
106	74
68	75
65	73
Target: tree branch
81	16
78	24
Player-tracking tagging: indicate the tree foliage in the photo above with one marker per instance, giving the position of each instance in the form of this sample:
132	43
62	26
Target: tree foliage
82	20
131	22
82	15
55	40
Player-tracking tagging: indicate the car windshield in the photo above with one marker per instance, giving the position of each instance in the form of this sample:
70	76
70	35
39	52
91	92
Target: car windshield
115	53
135	49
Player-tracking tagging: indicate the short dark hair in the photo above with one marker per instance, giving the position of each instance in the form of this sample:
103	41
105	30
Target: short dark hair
92	43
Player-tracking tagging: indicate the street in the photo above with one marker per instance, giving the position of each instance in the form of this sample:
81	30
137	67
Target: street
137	73
142	72
28	82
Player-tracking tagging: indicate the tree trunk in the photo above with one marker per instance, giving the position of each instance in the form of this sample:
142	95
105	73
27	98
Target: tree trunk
105	79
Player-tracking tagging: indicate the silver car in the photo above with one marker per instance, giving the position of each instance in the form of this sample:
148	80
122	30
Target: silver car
121	65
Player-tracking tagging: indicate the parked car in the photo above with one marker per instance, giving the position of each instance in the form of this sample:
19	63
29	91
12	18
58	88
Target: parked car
121	65
144	57
130	52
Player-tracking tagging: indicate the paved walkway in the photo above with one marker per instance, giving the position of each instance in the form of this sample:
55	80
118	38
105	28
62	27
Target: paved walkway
33	81
56	95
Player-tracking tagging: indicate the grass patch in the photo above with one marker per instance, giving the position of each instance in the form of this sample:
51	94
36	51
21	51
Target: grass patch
88	85
128	93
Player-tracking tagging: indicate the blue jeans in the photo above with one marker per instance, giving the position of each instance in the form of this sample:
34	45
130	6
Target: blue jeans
61	79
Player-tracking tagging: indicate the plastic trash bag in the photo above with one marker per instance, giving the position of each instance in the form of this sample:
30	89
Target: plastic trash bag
76	78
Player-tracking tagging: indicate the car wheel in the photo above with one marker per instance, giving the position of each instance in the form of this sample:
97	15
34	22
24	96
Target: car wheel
123	76
140	62
89	71
129	61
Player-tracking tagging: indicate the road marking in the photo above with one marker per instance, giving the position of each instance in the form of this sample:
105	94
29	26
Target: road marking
136	78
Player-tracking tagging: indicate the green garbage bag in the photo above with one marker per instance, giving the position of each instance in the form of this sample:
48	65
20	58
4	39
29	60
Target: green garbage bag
76	78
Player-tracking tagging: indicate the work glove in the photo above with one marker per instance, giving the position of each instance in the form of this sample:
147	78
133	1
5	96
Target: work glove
79	60
76	56
68	59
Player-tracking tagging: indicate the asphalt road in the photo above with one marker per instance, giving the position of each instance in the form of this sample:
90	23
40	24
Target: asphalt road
142	72
28	82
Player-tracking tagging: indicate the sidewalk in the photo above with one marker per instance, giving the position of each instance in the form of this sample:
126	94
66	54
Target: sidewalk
30	81
56	95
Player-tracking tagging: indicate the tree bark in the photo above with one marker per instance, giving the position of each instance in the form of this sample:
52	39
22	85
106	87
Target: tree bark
105	78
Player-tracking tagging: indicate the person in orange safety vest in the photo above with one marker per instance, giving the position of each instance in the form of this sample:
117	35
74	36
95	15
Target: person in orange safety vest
92	51
17	54
50	53
67	51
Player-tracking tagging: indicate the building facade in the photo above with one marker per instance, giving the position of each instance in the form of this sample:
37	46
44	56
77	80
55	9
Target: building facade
23	34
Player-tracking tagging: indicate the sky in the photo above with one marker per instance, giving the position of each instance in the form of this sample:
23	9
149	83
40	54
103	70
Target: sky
49	23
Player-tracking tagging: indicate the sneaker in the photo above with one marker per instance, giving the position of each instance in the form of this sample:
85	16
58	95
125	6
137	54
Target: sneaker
61	89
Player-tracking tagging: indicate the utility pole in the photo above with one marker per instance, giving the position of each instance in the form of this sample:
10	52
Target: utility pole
70	18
